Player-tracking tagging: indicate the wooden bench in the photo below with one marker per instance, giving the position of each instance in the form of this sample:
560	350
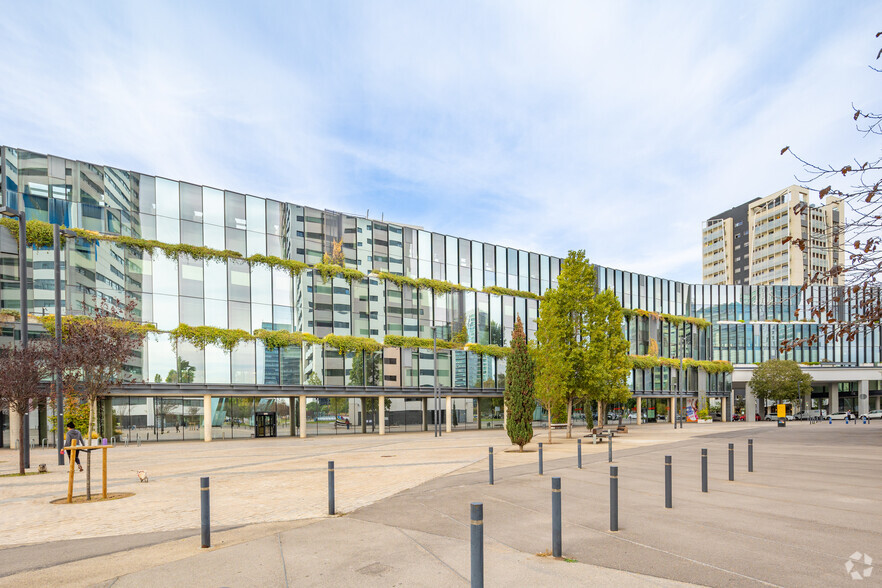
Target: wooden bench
603	431
622	428
558	425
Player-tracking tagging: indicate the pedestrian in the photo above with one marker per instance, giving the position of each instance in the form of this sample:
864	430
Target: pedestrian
72	434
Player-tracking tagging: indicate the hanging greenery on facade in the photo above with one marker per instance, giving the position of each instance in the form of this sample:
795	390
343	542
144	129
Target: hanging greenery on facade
500	291
674	319
645	362
201	337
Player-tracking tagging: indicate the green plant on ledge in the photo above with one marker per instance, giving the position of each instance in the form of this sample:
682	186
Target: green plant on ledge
201	337
38	233
329	271
500	291
674	319
9	312
646	362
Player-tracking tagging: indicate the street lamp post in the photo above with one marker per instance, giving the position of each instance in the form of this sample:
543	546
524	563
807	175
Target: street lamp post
57	232
23	297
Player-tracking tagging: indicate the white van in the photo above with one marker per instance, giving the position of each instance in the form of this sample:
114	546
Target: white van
810	414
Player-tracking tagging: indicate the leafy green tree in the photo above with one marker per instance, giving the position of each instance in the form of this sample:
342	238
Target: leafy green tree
562	335
780	380
519	389
339	405
608	365
313	379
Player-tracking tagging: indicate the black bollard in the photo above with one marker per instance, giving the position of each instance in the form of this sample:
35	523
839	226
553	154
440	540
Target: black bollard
704	470
731	462
477	514
668	499
750	455
206	514
490	454
331	508
555	517
579	453
609	449
613	498
540	459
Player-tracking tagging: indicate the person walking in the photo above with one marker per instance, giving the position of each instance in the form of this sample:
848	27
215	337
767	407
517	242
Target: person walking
72	434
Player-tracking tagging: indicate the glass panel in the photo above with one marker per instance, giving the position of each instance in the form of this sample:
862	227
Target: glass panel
213	212
234	210
191	202
256	214
167	201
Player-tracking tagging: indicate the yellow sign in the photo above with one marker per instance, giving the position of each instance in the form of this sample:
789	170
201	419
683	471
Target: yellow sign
782	411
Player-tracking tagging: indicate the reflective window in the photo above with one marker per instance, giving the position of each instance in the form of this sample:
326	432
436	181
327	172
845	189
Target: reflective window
234	210
168	230
191	233
213	212
147	195
214	236
239	281
191	276
240	316
191	202
167	201
261	285
236	241
165	311
256	214
215	280
216	313
191	311
165	273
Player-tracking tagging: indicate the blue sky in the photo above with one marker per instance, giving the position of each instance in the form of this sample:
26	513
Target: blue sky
614	127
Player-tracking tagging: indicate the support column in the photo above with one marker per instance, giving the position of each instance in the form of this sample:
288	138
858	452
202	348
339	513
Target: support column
702	390
478	400
425	413
723	406
302	402
108	420
207	413
807	401
15	428
863	397
731	405
364	415
292	402
671	415
833	398
750	409
639	410
878	403
382	404
449	416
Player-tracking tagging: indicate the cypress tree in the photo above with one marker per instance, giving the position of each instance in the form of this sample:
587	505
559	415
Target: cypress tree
519	389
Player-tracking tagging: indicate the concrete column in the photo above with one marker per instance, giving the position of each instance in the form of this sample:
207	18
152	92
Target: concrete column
878	403
449	415
723	406
382	404
702	389
206	418
425	410
807	400
302	403
292	402
671	415
107	426
728	416
750	408
478	400
833	398
639	410
863	397
15	428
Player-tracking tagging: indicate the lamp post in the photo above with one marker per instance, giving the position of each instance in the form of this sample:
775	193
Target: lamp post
682	341
57	232
23	297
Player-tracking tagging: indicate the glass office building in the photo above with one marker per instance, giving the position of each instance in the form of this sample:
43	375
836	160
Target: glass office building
170	378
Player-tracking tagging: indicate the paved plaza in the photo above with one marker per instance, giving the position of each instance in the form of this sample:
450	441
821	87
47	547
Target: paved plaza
812	502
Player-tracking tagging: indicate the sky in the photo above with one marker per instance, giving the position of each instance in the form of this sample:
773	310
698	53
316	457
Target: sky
613	127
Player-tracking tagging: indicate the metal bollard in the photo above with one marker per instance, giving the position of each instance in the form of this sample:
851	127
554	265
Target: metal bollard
830	420
731	462
865	419
846	420
540	459
579	453
555	517
331	507
613	498
491	465
669	503
477	515
206	513
750	455
609	449
704	470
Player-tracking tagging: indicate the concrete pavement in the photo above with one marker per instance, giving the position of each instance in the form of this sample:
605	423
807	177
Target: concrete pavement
812	502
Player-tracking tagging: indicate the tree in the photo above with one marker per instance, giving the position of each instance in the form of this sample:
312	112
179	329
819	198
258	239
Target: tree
94	357
313	379
339	405
607	362
562	332
855	245
519	389
780	380
22	370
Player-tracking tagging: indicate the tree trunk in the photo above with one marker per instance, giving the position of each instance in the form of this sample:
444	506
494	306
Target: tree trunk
602	409
569	418
21	441
549	425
